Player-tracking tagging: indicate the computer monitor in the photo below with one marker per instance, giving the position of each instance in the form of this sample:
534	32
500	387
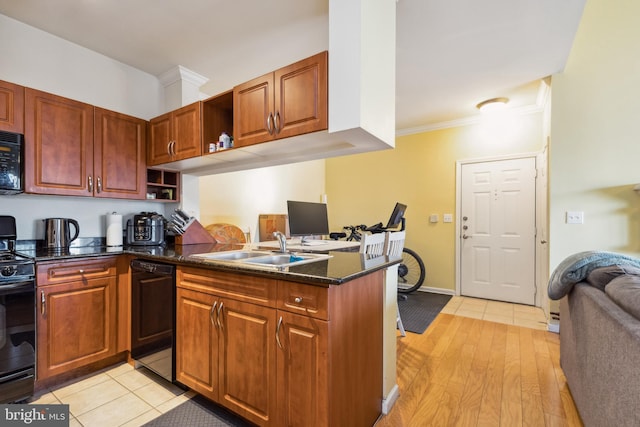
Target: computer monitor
397	215
307	219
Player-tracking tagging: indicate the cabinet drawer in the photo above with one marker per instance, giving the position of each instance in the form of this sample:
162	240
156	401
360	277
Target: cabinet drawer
51	273
303	299
257	290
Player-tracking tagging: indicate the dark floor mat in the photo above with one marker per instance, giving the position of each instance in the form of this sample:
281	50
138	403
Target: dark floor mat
198	412
419	309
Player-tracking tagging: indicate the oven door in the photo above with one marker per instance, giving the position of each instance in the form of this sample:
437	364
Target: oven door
17	340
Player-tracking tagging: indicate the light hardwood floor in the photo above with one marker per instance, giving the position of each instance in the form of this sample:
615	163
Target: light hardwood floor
472	372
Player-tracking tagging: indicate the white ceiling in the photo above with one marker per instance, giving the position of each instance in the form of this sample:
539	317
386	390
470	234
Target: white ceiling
451	54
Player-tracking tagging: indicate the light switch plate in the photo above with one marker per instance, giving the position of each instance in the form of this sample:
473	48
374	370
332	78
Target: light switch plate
433	218
448	217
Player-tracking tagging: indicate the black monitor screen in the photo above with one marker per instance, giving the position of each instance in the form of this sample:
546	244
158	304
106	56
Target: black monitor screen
396	216
307	218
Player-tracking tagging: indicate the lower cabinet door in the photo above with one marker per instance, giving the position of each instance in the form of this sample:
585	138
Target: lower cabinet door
197	342
76	324
303	371
248	361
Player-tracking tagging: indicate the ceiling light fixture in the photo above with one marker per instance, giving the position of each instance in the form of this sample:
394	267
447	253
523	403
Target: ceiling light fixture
492	104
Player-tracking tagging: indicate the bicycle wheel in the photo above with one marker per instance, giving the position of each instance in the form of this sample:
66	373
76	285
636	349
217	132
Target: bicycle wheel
411	272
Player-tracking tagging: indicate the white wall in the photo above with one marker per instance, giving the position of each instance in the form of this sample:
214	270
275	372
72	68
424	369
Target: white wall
594	149
36	59
39	60
239	197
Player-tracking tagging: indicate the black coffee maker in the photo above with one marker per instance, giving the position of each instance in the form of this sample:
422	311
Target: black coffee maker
146	228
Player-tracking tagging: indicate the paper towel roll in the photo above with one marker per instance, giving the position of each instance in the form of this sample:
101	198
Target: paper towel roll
114	229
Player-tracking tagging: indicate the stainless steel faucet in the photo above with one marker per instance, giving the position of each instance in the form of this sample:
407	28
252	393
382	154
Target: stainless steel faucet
282	240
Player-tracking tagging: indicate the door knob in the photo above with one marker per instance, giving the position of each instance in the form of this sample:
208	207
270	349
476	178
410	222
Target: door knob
464	236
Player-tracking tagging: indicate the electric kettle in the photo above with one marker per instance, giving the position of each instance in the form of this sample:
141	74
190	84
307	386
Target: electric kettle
57	232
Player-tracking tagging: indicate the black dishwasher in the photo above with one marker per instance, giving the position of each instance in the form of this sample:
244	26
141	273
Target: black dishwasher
153	316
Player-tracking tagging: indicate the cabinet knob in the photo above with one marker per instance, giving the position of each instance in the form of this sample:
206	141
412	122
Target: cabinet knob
298	300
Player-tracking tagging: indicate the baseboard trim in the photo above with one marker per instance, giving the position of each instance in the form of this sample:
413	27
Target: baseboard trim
390	399
436	290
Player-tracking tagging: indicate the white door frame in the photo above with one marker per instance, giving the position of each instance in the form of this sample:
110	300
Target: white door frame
541	220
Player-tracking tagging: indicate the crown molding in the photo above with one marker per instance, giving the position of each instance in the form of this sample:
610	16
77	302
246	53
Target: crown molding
180	73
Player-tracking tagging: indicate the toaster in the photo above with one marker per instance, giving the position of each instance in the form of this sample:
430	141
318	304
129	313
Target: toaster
146	228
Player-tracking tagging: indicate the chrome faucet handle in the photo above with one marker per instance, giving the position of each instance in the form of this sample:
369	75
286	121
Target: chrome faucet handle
282	240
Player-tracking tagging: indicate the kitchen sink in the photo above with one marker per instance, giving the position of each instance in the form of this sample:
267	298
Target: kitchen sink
262	258
232	255
286	260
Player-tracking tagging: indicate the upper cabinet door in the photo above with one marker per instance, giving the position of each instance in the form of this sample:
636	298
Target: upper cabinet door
159	140
301	97
253	111
119	165
58	145
176	135
11	107
187	131
288	102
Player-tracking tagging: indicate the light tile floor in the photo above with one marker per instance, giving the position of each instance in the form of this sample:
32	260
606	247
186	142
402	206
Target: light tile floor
118	396
124	396
496	311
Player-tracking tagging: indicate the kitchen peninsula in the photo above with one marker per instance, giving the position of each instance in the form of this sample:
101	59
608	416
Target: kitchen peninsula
296	346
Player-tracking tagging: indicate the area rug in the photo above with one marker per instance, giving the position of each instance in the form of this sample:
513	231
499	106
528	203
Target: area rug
197	412
419	309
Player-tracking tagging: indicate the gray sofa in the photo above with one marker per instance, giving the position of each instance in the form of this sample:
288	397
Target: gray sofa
600	340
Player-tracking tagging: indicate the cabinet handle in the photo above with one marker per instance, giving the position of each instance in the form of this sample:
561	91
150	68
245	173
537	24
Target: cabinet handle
213	309
43	303
298	300
219	315
269	119
276	123
90	183
278	333
169	148
99	184
173	148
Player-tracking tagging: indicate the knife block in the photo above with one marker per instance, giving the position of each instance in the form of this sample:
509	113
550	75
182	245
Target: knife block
194	234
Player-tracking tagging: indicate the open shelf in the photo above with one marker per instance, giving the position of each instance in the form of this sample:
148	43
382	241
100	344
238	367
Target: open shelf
217	117
163	185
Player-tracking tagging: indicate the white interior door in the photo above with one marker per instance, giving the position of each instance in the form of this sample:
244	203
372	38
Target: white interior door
497	230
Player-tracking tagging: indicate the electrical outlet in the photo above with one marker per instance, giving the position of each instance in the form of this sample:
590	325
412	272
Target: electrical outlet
575	217
433	218
448	217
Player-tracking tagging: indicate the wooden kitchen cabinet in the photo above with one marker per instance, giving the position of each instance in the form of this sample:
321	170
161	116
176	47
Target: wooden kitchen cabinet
290	101
175	135
282	353
59	145
11	107
119	164
67	152
197	341
224	346
76	318
303	367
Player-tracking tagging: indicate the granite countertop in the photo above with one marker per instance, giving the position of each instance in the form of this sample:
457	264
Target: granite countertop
342	266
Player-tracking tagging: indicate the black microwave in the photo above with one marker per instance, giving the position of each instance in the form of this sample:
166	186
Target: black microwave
11	163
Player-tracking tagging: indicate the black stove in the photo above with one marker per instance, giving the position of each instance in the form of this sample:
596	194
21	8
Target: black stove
17	317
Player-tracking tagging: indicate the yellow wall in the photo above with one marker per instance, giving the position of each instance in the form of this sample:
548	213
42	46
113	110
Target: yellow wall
595	147
421	172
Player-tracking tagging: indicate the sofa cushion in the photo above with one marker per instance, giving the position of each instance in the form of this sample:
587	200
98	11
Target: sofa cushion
600	277
625	291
